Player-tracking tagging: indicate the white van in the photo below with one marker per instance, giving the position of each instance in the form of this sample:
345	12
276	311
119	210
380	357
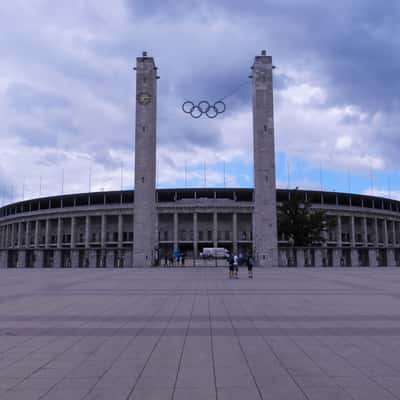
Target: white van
214	252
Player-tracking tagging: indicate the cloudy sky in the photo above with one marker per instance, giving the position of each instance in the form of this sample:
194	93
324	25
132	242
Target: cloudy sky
67	92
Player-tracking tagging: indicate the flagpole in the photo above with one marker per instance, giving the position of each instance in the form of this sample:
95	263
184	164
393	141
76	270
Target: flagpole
122	176
90	179
62	182
185	173
205	176
320	176
224	175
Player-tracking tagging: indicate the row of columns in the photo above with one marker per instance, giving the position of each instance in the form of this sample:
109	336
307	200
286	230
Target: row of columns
365	241
298	257
36	259
214	230
12	232
8	234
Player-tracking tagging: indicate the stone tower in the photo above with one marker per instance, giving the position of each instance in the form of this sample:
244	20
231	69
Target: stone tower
265	239
144	225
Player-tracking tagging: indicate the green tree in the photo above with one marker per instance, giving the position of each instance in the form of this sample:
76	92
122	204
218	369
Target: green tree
300	224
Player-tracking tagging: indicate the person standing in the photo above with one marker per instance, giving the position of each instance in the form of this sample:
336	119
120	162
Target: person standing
230	262
236	265
250	263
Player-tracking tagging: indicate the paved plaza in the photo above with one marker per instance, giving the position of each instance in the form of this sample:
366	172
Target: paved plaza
194	334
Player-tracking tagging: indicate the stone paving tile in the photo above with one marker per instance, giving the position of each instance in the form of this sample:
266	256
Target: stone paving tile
203	393
193	334
117	391
152	393
23	394
238	393
327	393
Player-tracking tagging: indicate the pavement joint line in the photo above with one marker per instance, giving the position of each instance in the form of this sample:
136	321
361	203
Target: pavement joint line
358	369
304	329
242	350
275	355
57	356
33	351
150	318
152	351
212	341
183	348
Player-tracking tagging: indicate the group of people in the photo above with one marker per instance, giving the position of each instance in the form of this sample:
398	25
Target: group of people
174	260
234	262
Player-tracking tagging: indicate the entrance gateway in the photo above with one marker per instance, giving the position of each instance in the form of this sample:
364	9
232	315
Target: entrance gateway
265	244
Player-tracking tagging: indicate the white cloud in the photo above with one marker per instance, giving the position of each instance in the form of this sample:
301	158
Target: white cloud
332	109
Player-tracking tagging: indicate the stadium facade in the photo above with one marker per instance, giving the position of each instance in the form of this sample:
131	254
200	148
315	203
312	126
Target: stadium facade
146	226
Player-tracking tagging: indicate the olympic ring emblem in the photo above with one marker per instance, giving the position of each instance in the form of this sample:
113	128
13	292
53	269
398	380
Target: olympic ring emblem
203	108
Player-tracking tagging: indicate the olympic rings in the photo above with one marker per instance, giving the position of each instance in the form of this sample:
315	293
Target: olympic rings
203	108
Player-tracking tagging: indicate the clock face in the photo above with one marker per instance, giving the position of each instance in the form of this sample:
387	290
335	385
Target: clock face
144	98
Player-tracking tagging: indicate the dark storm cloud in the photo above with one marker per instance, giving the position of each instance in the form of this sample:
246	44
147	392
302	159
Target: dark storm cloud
78	57
40	117
27	99
353	45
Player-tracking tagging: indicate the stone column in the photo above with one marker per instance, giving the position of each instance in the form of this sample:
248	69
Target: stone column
73	233
365	231
234	233
336	257
372	258
110	258
46	234
128	254
339	231
74	258
57	258
36	238
176	223
39	258
156	243
103	231
385	232
19	235
353	231
195	235
8	235
394	232
3	258
120	231
21	263
87	231
145	161
3	237
376	241
265	237
318	254
215	229
354	258
391	261
300	258
12	235
59	232
27	234
92	258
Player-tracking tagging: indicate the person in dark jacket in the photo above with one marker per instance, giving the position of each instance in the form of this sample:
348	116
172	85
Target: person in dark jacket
250	263
230	262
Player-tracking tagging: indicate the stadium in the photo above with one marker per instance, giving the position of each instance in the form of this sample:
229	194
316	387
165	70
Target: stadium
147	226
96	229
